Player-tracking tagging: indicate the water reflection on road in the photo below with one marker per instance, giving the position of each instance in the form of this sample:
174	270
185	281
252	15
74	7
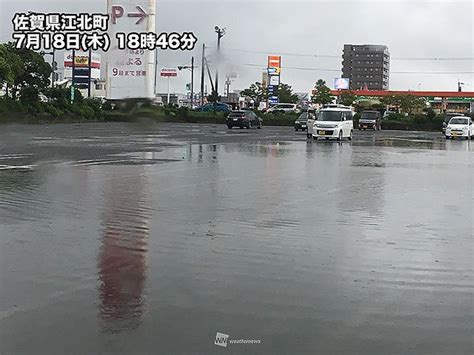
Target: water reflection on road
122	258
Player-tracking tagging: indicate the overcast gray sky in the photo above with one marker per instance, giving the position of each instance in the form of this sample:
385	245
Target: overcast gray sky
416	28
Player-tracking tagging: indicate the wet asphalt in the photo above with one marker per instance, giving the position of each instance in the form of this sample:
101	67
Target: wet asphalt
151	238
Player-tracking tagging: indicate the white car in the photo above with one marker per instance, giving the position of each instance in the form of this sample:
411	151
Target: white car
460	127
284	108
334	122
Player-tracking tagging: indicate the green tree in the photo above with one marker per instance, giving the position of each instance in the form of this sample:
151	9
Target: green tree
61	97
285	94
322	94
214	97
347	98
410	103
11	65
405	103
256	92
35	72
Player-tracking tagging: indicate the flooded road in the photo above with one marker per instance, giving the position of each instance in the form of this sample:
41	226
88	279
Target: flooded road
150	239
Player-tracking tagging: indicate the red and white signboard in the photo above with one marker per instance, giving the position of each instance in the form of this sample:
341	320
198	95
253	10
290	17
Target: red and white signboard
82	61
170	73
274	61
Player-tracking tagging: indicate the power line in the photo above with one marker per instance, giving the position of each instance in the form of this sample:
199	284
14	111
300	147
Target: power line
284	53
435	59
432	72
340	56
339	70
295	68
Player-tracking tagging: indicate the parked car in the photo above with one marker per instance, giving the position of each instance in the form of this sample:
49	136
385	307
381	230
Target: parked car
370	120
447	118
334	122
241	119
460	127
301	122
388	113
284	108
219	107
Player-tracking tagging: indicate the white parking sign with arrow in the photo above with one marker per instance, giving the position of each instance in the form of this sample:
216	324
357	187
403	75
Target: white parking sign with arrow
130	73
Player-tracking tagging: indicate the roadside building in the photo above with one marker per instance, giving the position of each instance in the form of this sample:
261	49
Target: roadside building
366	66
175	99
461	105
440	101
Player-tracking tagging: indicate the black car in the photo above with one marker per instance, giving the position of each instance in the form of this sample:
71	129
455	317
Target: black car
301	122
241	119
370	120
447	118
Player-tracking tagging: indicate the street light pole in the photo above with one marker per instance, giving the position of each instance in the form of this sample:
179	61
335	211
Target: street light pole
220	33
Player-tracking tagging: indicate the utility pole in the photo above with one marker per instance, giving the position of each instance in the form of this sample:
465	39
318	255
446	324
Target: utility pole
220	33
210	77
55	67
73	88
227	85
156	73
192	67
89	74
192	83
203	75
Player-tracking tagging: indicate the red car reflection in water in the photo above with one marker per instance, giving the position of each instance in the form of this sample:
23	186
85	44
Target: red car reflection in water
122	259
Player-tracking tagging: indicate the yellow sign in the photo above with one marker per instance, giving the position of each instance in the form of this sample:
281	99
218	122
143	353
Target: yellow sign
81	61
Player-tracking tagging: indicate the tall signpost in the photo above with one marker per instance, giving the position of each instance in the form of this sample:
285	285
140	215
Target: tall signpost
130	73
274	71
82	68
168	73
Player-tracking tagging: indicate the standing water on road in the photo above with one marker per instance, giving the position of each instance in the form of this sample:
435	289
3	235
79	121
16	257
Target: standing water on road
121	238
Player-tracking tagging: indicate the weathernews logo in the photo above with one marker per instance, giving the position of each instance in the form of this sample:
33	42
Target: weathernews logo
223	340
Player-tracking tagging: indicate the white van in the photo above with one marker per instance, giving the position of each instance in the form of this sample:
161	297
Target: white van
334	122
284	108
